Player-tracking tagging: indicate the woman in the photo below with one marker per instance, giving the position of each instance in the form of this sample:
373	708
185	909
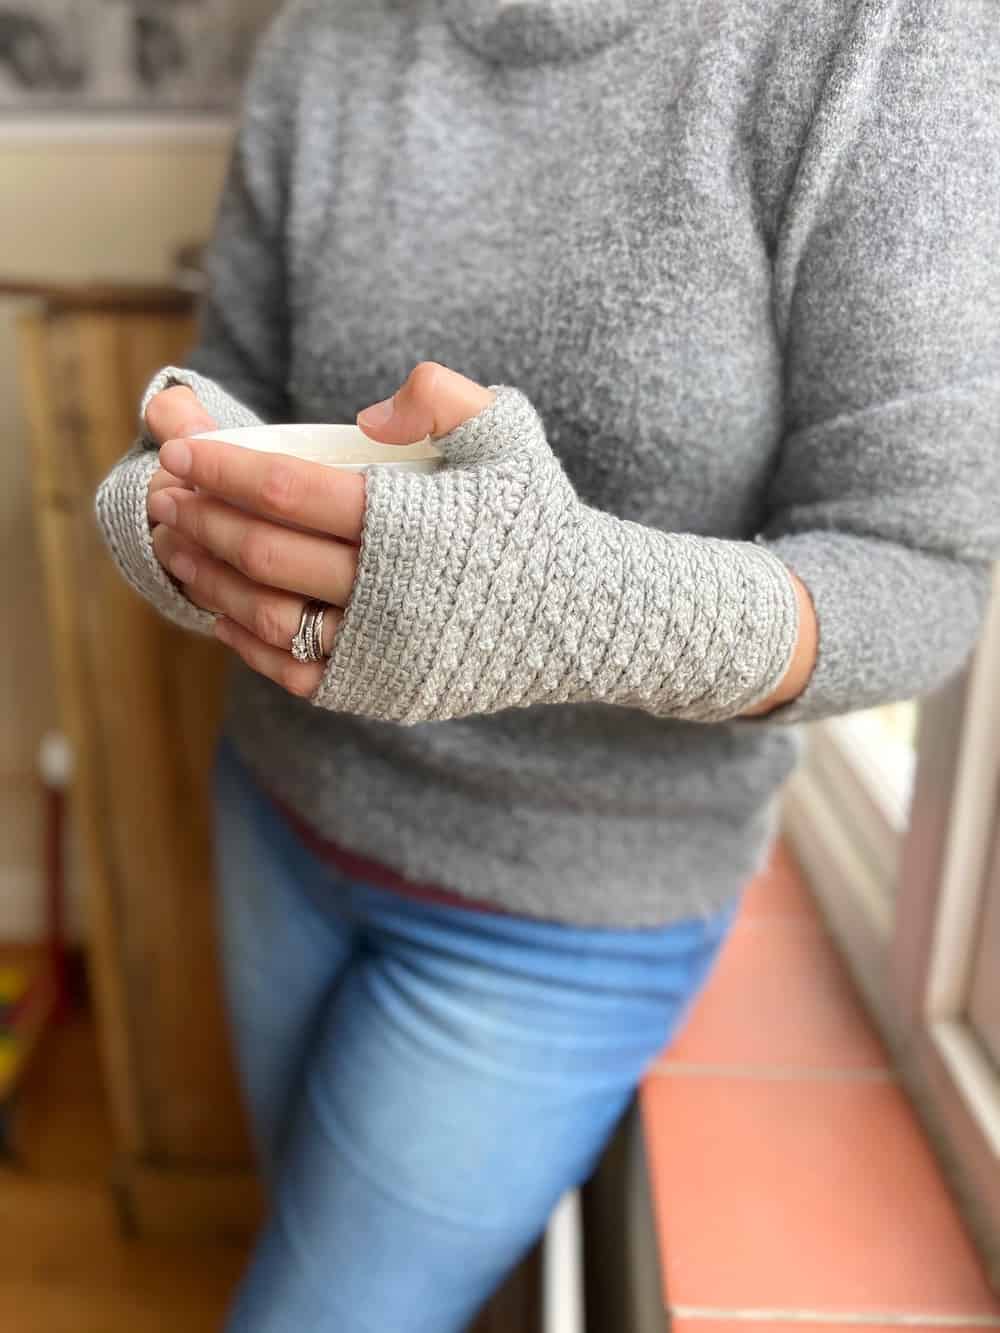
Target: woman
731	270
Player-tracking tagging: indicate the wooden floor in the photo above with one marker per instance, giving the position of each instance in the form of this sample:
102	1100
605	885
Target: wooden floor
64	1267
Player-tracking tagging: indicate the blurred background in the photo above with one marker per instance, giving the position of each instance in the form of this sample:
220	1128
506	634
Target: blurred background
848	1050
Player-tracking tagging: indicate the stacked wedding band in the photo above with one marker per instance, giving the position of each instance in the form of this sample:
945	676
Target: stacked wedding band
307	646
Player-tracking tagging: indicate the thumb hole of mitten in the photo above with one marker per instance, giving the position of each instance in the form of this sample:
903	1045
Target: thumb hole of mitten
507	428
433	401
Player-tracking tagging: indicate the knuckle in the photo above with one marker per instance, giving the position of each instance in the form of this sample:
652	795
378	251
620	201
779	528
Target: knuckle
423	380
266	624
280	489
256	555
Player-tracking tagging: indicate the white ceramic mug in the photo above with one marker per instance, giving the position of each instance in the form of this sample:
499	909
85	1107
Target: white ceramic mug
344	447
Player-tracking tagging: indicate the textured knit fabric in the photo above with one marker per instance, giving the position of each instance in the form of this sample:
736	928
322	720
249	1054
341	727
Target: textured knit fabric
740	259
489	585
363	870
121	507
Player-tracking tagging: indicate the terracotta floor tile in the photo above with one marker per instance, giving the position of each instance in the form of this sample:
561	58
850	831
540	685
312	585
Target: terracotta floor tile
780	889
804	1195
780	996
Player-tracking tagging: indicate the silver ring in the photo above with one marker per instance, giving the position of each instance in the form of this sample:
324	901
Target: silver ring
307	645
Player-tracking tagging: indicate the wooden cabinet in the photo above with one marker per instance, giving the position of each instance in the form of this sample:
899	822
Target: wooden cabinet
140	701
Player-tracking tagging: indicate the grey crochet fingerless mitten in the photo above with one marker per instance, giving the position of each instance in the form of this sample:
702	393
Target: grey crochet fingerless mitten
120	503
489	585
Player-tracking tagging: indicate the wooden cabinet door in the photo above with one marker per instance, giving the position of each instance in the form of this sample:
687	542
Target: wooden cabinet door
141	702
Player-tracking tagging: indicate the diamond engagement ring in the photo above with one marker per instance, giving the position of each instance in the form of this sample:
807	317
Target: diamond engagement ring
307	645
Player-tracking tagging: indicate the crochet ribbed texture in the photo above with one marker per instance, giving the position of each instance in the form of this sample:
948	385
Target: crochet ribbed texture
121	502
489	585
736	266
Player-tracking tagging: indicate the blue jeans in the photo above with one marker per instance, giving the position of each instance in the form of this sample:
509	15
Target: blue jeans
424	1081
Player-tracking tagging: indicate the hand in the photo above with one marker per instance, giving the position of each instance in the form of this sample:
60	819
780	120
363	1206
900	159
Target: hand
249	568
175	412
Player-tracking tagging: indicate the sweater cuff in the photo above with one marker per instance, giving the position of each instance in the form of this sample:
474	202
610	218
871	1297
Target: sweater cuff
743	639
121	514
773	617
228	411
869	654
122	497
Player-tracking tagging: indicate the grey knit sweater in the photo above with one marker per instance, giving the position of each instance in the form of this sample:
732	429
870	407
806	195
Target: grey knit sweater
737	267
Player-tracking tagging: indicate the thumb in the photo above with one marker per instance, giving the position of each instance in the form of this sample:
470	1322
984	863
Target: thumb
433	401
176	414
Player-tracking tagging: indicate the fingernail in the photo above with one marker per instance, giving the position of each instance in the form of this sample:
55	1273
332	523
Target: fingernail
162	509
182	567
378	414
175	457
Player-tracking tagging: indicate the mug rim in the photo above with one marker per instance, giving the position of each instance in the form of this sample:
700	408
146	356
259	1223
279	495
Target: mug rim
421	455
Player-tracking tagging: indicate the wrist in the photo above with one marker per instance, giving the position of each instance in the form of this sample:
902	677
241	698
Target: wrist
803	660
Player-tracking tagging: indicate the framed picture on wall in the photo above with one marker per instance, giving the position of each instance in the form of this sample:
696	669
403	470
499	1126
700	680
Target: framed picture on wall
107	59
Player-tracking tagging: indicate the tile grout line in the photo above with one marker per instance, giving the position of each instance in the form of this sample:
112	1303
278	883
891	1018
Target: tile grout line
690	1069
897	1319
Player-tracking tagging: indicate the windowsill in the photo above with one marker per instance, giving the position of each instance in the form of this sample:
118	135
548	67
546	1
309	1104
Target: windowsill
791	1177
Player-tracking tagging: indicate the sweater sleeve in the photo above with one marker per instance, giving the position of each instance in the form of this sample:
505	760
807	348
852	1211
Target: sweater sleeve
886	500
238	366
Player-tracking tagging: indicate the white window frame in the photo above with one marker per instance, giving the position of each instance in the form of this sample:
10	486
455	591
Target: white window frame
903	891
964	881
